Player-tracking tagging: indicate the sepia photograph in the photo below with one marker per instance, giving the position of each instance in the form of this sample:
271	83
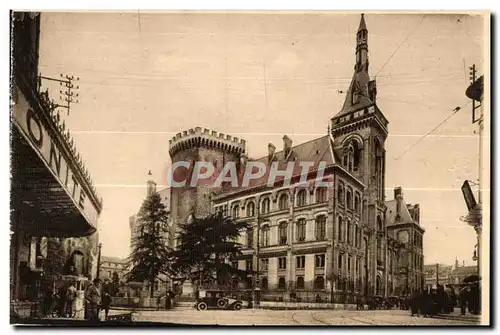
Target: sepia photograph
250	168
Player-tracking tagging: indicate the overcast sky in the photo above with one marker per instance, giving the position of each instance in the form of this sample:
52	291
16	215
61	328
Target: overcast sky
146	76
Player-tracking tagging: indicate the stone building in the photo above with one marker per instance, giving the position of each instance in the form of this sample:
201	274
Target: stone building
405	246
54	205
109	265
327	241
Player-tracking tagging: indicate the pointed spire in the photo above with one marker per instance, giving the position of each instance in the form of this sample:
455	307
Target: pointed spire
362	24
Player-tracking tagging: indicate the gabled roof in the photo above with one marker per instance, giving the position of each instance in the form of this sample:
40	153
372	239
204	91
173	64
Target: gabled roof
316	151
392	211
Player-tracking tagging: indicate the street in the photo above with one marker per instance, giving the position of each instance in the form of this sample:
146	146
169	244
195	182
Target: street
293	318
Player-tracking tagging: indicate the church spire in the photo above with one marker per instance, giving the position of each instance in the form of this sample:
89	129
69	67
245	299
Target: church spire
362	46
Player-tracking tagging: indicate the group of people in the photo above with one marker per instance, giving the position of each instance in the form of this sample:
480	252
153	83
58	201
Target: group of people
443	300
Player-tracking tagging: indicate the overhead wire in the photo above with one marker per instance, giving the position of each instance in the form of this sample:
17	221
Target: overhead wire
455	111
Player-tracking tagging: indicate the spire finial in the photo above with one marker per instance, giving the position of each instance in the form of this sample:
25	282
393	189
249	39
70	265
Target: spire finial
149	173
362	24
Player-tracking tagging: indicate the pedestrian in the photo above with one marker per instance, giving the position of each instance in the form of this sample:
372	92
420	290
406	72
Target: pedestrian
93	295
414	302
70	299
106	303
464	296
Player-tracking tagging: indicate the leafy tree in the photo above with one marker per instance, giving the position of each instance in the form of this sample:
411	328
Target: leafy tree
204	245
150	251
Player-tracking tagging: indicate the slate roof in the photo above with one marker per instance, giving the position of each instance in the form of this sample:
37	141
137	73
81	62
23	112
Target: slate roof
391	212
464	270
112	259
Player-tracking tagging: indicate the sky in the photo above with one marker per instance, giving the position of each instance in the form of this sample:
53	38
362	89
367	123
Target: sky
145	76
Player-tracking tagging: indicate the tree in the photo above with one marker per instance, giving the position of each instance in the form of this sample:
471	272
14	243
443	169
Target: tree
205	245
150	251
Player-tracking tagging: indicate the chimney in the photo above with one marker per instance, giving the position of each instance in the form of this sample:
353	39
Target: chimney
271	149
456	263
287	146
398	195
463	264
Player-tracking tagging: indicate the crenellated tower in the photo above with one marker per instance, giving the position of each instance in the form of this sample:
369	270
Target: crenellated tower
195	145
360	131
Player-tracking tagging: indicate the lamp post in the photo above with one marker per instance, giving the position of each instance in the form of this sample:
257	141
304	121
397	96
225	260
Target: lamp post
99	261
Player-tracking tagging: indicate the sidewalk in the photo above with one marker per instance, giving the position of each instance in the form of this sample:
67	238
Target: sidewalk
456	315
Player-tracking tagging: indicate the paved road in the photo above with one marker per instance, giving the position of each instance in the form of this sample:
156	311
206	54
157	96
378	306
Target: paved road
292	318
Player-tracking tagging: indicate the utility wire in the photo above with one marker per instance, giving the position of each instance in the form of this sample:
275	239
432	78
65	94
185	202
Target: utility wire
430	132
400	45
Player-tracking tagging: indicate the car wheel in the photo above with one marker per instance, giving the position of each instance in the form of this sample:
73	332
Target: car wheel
237	306
222	303
201	306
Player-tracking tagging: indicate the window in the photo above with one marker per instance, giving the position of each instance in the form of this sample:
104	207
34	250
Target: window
300	283
357	208
234	264
301	262
301	230
224	211
321	194
320	261
348	265
320	227
339	261
282	232
319	283
282	263
340	194
250	237
265	235
250	209
156	285
283	201
236	212
249	265
265	206
348	199
340	233
355	235
281	283
264	283
349	236
301	198
264	264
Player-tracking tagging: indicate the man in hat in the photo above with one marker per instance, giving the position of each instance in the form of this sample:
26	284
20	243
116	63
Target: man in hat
93	296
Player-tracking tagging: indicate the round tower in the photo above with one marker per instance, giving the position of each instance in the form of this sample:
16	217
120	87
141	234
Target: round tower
199	145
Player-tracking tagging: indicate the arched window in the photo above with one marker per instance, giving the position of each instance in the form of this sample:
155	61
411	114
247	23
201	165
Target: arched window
340	233
282	233
283	201
357	208
250	209
250	237
300	283
348	199
321	194
379	239
265	206
320	228
301	230
340	194
301	198
236	212
281	283
265	235
349	232
319	283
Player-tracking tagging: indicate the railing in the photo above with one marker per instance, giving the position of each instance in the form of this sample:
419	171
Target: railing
311	296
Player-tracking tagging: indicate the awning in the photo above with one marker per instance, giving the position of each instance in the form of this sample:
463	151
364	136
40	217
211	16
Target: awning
40	205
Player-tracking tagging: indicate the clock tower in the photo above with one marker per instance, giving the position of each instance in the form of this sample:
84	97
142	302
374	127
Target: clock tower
360	131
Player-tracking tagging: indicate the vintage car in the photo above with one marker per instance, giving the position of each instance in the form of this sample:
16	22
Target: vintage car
210	299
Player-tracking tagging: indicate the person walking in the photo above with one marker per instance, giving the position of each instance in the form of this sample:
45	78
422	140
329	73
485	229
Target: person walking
93	296
106	303
70	299
414	302
464	296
